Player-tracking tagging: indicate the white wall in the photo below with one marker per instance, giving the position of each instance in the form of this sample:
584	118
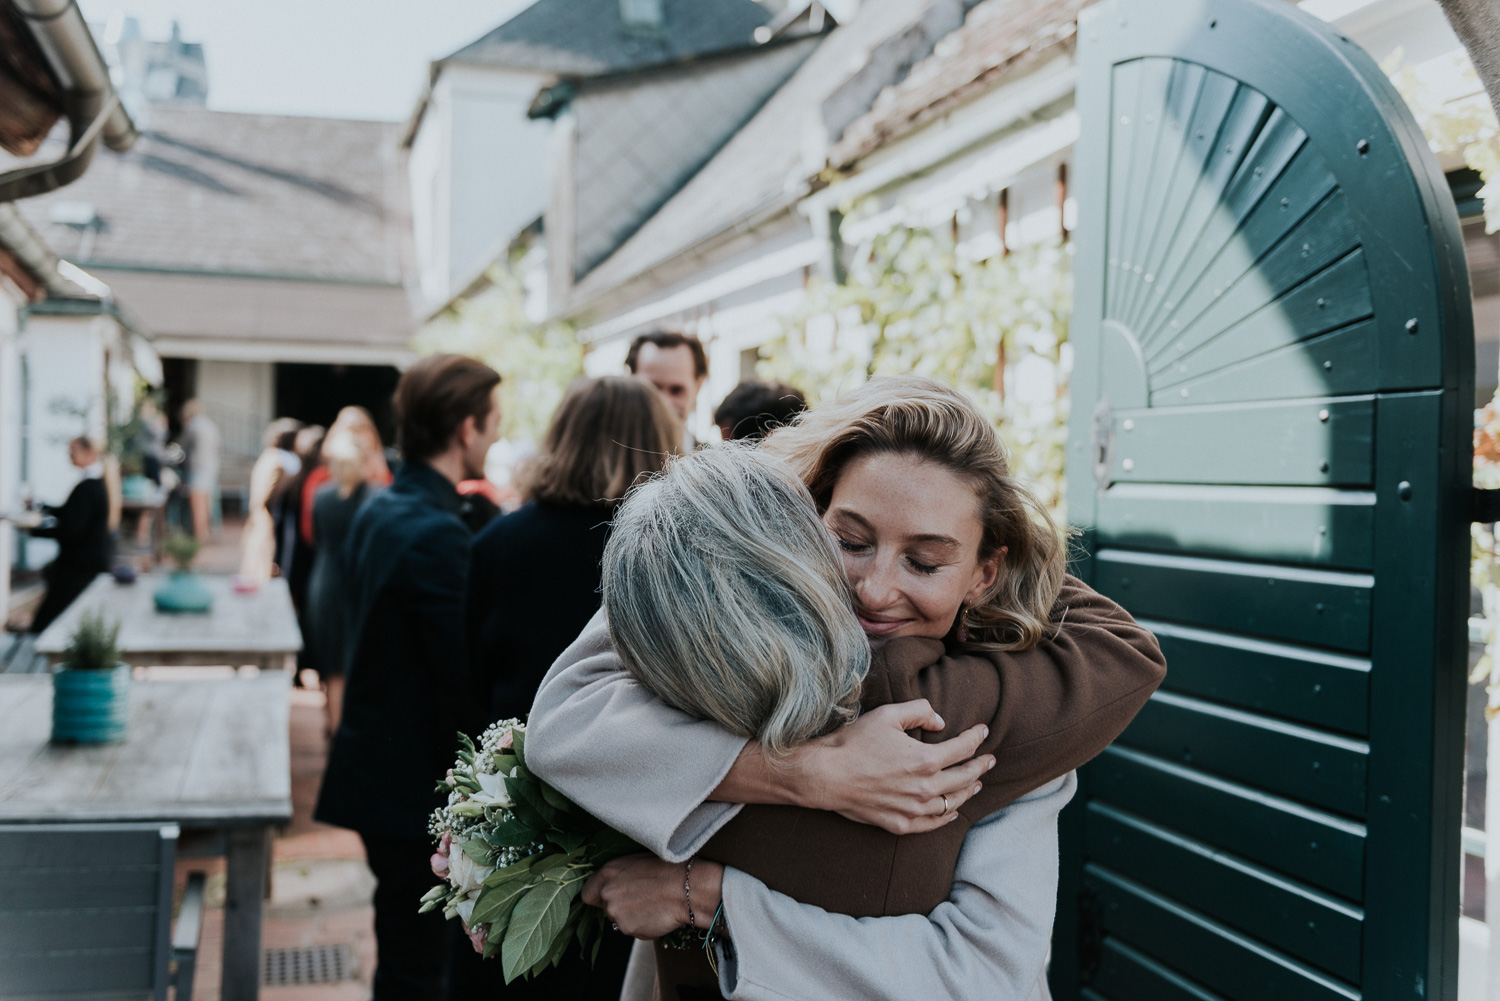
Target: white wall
477	171
64	366
10	434
238	396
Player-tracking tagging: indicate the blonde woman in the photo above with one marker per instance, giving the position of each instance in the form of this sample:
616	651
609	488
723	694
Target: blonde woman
534	583
944	552
346	455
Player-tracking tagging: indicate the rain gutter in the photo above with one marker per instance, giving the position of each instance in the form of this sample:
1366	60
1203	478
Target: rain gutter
17	236
90	102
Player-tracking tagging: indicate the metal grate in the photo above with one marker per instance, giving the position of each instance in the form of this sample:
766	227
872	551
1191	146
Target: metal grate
315	964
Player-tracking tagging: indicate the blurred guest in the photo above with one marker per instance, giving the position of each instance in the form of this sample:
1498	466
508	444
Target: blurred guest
676	365
482	501
81	527
406	689
325	629
534	585
357	421
276	463
753	410
294	552
151	442
201	443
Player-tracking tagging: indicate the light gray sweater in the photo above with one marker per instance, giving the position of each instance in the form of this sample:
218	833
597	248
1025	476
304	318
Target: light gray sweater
647	770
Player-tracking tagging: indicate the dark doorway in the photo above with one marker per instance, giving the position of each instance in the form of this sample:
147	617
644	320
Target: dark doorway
179	384
314	394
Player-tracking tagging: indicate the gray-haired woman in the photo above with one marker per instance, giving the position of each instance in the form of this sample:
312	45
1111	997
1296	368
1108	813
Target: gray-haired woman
945	553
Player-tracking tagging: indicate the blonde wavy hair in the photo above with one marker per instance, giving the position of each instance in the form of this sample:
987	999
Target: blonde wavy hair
726	599
911	415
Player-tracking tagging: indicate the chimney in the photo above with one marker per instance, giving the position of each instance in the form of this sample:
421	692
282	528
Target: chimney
644	16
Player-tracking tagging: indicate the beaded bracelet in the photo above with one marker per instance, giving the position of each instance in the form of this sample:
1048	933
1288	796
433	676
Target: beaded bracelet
687	889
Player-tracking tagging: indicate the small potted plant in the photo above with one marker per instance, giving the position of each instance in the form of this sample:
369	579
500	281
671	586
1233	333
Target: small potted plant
91	687
184	590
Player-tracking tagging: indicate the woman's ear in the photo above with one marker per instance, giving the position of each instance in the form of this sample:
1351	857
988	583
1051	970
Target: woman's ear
989	571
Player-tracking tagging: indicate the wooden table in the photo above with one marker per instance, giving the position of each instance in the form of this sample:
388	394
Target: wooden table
207	755
258	628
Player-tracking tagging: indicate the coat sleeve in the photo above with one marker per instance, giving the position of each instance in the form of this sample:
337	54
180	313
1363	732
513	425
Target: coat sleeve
988	940
437	570
1058	704
594	731
78	516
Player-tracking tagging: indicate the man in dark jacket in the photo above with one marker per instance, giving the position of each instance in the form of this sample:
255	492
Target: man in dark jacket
81	528
406	562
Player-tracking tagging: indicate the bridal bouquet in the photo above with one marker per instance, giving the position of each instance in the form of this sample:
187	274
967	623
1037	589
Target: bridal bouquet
513	854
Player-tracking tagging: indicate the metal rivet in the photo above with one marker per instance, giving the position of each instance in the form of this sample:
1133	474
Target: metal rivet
1317	766
1312	924
1323	416
1286	203
1314	846
1128	465
1129	424
1322	529
1317	689
1322	303
1124	119
1363	146
1411	325
1213	23
1124	581
1328	366
1320	608
1323	466
1184	394
1403	490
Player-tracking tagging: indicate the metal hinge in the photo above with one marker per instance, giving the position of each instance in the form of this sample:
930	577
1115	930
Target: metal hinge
1103	444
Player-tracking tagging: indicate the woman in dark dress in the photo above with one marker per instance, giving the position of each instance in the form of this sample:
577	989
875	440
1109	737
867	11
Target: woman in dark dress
325	614
82	530
533	586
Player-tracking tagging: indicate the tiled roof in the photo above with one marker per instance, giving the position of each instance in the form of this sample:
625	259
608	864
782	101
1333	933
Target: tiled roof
213	191
588	37
767	163
998	38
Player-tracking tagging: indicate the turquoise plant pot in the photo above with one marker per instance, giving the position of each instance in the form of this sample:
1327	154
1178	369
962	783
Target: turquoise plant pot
184	591
90	707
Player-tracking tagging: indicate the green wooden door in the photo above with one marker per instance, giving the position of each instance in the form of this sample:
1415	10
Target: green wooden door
1269	456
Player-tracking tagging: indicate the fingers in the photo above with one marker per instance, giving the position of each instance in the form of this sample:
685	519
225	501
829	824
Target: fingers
961	748
961	779
916	715
593	888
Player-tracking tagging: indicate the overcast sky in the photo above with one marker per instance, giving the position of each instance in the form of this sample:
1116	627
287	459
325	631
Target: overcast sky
338	58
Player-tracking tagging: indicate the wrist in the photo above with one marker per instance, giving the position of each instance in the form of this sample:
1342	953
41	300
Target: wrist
704	885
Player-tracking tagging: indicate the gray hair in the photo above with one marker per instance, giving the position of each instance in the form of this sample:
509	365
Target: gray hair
726	599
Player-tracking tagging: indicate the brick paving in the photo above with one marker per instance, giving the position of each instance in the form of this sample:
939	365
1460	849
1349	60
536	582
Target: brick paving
320	886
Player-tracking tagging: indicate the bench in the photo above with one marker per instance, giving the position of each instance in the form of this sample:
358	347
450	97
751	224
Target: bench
86	912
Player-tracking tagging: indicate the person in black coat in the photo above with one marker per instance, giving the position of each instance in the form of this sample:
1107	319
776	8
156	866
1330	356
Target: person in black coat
534	585
406	693
81	528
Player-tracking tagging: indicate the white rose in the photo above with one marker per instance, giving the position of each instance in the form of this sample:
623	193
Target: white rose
464	873
466	907
492	791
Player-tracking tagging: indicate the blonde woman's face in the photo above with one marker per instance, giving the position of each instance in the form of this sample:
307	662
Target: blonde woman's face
909	532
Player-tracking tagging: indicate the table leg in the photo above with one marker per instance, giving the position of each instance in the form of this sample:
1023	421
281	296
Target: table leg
249	865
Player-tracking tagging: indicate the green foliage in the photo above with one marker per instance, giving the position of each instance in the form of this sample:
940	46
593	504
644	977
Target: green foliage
181	548
536	361
94	645
996	329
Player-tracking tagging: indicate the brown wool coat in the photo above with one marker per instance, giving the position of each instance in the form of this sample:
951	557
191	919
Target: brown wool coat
1049	709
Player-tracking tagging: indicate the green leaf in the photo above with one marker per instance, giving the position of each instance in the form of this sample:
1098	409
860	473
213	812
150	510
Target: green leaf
518	745
559	944
513	832
609	844
555	798
496	903
479	850
539	917
569	841
522	868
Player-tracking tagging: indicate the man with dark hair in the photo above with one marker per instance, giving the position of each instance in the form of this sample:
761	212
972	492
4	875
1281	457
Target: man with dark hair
753	410
406	560
674	363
